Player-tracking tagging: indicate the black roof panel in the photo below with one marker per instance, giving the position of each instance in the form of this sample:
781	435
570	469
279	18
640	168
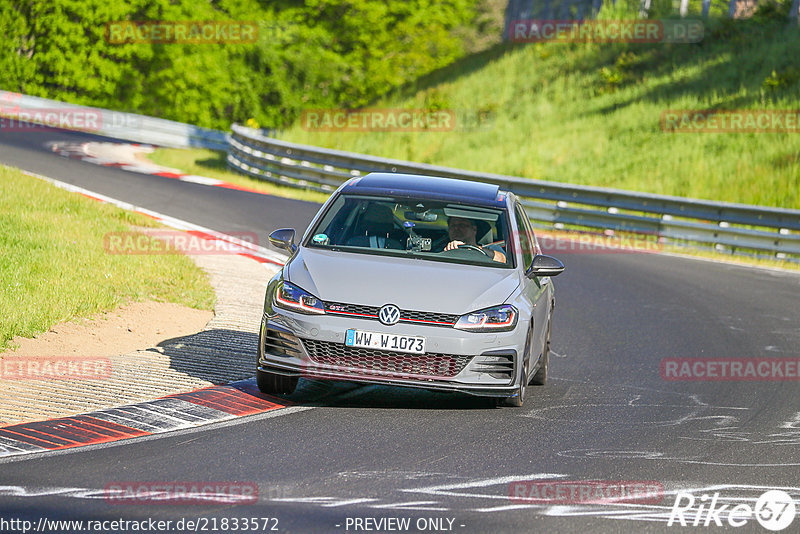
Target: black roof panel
429	186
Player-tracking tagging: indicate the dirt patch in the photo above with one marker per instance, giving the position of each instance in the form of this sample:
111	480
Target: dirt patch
136	326
154	350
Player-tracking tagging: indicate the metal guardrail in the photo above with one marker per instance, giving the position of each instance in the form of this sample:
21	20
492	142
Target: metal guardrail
723	225
729	226
119	125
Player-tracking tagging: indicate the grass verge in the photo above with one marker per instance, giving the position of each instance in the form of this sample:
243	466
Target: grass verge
588	113
563	243
751	261
54	267
211	163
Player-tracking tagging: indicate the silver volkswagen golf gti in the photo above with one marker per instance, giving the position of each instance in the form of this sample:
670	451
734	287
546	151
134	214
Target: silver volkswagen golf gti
411	281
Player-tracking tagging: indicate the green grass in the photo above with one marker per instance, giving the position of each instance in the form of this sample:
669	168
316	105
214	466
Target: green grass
184	159
708	254
54	267
590	114
211	163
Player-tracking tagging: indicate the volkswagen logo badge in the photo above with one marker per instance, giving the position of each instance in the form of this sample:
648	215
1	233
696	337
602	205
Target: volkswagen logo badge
389	314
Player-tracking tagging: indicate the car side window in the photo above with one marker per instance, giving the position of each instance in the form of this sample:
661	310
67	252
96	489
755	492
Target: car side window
524	237
531	235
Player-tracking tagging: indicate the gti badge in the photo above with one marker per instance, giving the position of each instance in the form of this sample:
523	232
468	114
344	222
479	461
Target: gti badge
389	314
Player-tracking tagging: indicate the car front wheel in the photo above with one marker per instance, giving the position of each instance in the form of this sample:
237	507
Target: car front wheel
273	384
540	378
519	399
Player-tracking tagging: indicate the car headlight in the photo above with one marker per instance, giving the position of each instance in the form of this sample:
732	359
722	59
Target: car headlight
496	319
291	297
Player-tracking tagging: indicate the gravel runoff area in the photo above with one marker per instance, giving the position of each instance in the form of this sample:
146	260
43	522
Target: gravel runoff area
224	351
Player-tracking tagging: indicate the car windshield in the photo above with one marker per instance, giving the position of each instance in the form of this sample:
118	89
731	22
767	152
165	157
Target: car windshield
431	230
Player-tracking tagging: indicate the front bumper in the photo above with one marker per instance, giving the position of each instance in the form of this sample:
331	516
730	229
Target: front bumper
485	364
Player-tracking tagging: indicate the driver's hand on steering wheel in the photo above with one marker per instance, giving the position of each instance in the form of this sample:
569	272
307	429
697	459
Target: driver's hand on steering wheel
493	254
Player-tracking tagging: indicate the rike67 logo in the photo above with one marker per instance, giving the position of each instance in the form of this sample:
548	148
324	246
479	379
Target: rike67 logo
774	510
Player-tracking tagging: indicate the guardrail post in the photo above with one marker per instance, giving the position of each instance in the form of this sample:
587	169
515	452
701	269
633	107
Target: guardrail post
717	224
644	9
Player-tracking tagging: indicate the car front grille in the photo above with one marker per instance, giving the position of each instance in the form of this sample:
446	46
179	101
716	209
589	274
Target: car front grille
361	361
406	316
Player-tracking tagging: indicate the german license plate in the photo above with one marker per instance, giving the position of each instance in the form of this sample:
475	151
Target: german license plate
377	340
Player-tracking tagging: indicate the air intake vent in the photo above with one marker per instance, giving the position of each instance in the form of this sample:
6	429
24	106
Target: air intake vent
496	365
278	343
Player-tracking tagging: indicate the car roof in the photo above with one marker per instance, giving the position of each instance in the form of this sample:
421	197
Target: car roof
429	187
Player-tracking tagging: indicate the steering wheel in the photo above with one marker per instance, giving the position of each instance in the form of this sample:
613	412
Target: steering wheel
477	249
440	242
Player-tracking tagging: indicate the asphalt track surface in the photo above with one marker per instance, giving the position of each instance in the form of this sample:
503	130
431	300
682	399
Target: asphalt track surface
346	451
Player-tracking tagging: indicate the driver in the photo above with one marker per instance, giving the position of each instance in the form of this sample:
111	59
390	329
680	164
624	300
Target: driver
464	232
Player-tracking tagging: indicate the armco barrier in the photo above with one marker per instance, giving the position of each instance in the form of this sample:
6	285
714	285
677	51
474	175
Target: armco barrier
119	125
726	226
737	228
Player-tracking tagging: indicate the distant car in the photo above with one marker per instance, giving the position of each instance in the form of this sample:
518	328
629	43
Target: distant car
412	281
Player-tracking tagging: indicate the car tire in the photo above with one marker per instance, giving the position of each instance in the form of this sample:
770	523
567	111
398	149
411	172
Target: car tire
272	384
519	399
540	378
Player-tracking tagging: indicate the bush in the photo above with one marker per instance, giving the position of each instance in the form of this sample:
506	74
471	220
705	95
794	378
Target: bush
321	53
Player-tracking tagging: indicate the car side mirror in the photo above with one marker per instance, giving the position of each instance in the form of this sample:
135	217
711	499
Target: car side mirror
283	238
544	266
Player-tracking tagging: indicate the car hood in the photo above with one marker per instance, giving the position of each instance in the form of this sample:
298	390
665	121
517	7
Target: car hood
411	284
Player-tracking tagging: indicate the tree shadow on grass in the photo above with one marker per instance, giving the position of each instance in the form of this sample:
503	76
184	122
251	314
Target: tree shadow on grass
216	163
733	83
736	81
